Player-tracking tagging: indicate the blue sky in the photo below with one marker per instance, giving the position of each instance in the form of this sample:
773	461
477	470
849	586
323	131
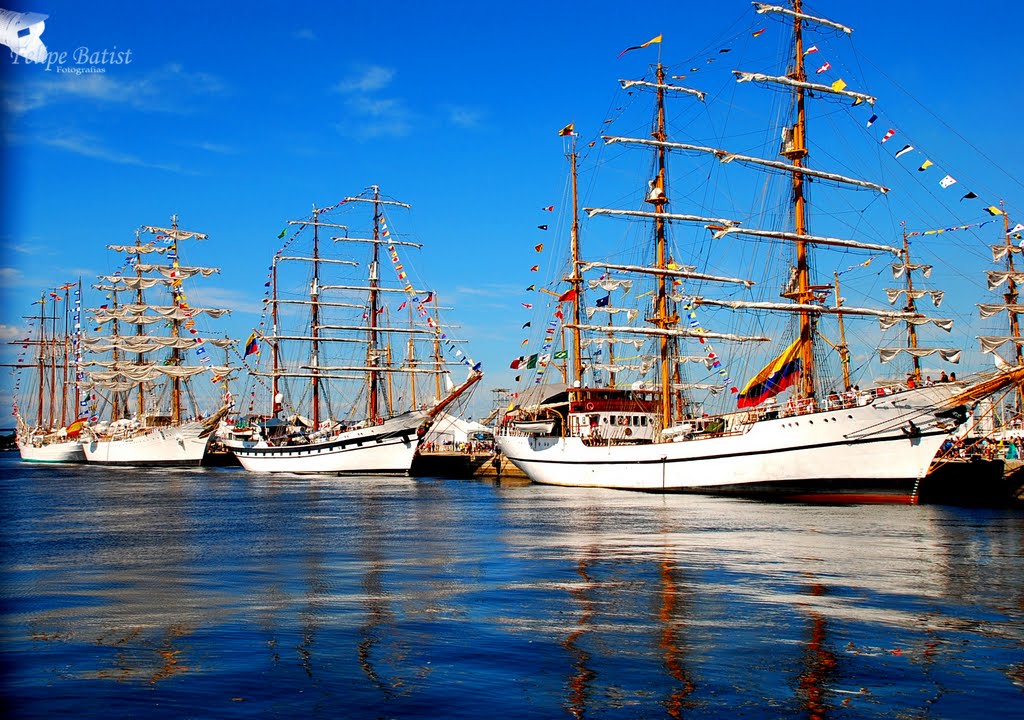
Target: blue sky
240	116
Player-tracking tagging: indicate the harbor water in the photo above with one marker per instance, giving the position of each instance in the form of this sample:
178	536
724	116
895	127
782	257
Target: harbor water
213	593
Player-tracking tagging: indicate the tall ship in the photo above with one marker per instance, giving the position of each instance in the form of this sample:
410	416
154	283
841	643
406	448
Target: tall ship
47	417
148	347
356	364
689	296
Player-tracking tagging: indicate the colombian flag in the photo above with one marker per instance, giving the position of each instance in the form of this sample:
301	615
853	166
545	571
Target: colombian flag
252	345
778	375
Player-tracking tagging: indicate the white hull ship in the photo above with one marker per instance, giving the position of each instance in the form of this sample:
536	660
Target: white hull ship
143	394
380	449
884	446
830	440
181	445
343	358
55	385
67	451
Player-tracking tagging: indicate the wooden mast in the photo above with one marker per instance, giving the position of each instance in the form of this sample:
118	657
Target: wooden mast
796	152
53	359
842	348
576	281
910	307
65	341
1010	297
175	329
40	361
275	348
141	400
314	322
373	381
78	350
658	198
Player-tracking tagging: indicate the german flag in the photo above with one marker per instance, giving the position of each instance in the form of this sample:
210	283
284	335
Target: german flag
778	375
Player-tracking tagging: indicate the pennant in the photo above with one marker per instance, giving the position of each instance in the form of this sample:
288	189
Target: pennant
757	33
856	101
1017	228
527	324
539	247
542	227
567	296
925	165
811	49
871	120
524	342
532	287
968	196
567	130
824	68
775	377
888	135
641	47
528	306
252	346
549	208
904	150
282	233
947	181
994	211
839	85
535	268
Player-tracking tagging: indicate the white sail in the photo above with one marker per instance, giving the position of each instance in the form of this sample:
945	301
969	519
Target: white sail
763	8
899	268
894	294
627	84
678	271
948	354
998	277
811	239
987	310
814	87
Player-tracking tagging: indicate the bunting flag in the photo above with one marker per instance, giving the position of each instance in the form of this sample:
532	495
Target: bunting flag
905	150
811	49
527	324
282	233
567	296
888	135
567	130
824	68
516	363
549	208
757	33
839	85
542	227
994	211
532	287
968	196
528	306
539	247
604	302
925	165
535	268
402	306
871	120
775	377
641	47
947	181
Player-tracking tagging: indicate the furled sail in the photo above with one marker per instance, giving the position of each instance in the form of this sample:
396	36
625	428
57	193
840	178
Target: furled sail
894	294
948	354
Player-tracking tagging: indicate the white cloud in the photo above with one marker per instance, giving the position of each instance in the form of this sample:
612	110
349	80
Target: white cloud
91	147
367	79
463	117
10	332
170	88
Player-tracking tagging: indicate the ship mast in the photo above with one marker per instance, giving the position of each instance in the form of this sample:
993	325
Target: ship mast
657	197
796	152
576	279
53	359
1010	297
842	348
40	361
175	330
275	347
65	341
139	332
372	356
911	307
314	322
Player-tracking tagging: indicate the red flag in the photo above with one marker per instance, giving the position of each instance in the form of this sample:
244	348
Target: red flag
888	135
567	296
549	208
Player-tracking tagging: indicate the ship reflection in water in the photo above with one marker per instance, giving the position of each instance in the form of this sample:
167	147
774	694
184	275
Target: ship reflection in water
215	593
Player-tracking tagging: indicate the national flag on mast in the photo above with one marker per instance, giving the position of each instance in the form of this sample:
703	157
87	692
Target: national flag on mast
641	47
252	345
775	377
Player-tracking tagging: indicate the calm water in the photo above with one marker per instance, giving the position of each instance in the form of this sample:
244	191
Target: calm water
213	593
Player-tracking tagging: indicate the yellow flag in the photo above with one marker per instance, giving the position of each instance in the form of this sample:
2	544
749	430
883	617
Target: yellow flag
925	165
568	129
839	85
640	47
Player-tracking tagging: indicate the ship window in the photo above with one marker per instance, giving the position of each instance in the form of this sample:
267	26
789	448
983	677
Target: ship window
643	420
